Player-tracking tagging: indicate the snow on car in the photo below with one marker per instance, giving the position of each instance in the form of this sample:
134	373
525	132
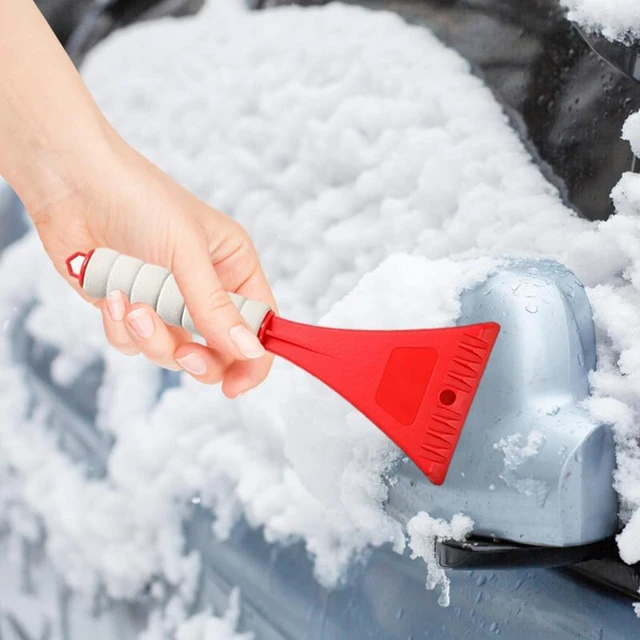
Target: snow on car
339	137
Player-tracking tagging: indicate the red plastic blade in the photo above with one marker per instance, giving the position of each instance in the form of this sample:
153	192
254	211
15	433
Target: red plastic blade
417	386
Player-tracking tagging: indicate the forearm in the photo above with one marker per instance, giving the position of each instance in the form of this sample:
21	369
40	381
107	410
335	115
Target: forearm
49	124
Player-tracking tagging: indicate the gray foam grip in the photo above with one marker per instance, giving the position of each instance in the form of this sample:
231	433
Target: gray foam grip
109	271
96	275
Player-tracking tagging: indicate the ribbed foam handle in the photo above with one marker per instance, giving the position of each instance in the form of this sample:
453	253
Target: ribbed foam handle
109	271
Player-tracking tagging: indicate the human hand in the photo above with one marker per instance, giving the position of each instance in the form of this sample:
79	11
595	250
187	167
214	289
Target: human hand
129	205
84	188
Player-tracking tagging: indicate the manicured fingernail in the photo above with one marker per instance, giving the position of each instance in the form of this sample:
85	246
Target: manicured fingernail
115	305
246	343
142	323
193	363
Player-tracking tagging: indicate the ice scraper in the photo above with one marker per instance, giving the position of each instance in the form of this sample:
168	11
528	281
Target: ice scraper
417	386
531	468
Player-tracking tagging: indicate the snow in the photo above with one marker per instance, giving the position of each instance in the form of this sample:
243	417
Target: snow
517	451
615	19
424	532
201	626
374	199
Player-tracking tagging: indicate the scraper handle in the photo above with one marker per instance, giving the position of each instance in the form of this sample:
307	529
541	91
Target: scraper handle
102	271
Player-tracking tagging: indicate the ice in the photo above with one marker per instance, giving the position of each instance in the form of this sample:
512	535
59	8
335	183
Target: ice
424	532
374	199
615	19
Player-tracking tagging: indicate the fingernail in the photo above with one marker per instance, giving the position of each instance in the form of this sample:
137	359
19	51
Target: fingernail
142	322
115	305
193	363
246	343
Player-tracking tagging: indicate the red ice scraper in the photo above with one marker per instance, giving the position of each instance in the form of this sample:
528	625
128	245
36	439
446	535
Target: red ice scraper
417	386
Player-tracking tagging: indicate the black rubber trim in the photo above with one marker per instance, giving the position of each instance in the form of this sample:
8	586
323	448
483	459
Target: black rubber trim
625	58
611	573
478	553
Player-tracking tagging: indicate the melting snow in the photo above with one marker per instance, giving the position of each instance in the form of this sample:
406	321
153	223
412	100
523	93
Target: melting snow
284	120
424	532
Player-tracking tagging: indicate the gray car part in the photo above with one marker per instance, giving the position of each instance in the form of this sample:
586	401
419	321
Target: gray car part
531	465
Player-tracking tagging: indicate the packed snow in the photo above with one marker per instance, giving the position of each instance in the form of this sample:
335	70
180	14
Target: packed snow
374	199
615	19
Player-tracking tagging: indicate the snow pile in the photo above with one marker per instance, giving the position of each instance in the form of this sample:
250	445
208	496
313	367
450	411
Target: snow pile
424	532
615	19
284	120
202	626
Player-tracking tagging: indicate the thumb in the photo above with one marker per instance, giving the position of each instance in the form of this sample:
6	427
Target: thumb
215	316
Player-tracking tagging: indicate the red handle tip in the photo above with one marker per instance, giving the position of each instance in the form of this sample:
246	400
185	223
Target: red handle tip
77	264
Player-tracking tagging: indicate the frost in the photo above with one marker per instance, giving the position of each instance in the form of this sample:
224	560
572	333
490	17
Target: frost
516	452
424	532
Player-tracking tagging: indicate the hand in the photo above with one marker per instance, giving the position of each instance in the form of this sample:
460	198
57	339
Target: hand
124	202
85	188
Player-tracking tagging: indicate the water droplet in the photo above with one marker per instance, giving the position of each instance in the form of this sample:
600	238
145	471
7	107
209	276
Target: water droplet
400	613
495	627
554	410
562	451
412	483
518	585
580	358
492	487
196	500
462	474
479	597
531	307
481	580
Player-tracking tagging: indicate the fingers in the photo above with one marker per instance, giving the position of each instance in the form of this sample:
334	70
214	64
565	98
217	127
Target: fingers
152	336
202	363
134	329
245	375
213	313
114	309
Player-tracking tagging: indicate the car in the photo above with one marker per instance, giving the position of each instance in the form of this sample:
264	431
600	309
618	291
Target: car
555	81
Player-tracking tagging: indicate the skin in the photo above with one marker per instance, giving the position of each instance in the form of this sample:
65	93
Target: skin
85	187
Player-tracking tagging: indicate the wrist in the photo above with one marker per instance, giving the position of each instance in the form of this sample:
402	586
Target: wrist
52	166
